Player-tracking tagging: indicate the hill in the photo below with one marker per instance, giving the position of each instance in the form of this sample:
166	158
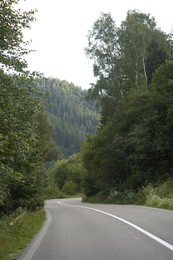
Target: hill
72	115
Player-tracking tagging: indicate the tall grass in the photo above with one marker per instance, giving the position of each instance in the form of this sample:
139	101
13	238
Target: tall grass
17	230
160	196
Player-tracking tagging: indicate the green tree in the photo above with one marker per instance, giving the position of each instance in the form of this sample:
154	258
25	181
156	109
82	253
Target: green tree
103	157
23	142
124	58
132	147
60	173
25	145
49	151
12	45
67	174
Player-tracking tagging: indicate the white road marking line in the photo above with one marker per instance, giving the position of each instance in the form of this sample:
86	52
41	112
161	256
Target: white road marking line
159	240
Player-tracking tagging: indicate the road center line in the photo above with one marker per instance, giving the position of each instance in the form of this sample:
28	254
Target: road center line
161	241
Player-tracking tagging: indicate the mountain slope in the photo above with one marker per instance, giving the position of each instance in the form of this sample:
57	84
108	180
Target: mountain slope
72	116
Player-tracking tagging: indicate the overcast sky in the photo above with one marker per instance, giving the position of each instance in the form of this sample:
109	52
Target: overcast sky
59	33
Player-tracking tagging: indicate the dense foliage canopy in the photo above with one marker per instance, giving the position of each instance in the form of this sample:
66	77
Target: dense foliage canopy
134	70
67	175
25	133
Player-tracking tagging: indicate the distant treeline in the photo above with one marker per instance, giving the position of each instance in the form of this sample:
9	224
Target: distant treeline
72	115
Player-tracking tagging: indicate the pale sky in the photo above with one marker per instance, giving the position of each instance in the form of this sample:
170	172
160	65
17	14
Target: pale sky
59	33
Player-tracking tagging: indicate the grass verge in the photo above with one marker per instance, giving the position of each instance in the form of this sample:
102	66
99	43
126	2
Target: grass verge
160	196
17	230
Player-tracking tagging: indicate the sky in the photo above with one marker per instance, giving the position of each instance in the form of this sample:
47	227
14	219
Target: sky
59	34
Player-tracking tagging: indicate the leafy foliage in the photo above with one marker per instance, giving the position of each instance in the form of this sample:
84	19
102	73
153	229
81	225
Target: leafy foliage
133	146
124	57
12	46
67	175
25	133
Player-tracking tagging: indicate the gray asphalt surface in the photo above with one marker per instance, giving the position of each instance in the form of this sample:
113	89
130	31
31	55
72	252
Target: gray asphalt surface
80	231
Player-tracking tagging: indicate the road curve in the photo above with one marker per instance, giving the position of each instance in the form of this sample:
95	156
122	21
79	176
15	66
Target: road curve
82	231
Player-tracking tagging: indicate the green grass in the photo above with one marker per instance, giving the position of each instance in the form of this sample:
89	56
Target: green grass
160	196
17	230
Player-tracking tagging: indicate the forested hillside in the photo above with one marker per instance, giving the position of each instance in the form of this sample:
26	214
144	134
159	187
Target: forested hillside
72	115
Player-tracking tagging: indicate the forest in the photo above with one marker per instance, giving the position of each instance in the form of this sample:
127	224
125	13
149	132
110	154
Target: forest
124	148
132	151
26	142
42	119
111	144
72	115
133	65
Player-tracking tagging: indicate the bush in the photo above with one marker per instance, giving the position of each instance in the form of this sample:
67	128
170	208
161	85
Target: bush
53	192
31	203
160	196
121	197
69	188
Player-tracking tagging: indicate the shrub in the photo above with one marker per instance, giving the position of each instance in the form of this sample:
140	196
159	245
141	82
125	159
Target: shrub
121	197
69	188
53	192
158	196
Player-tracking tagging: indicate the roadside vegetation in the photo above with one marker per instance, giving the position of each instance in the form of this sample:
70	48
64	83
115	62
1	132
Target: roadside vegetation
158	196
65	178
17	230
26	142
129	160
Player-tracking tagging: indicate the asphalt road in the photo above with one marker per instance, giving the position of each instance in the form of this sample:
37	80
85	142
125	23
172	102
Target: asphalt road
80	231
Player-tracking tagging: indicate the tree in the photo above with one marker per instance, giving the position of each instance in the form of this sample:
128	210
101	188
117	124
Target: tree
102	46
48	149
133	145
103	156
124	58
159	50
23	144
18	135
67	174
103	49
135	37
12	46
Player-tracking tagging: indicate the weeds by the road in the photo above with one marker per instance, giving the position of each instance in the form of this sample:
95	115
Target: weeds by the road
160	196
53	192
17	230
